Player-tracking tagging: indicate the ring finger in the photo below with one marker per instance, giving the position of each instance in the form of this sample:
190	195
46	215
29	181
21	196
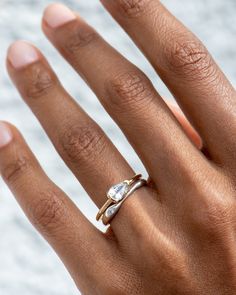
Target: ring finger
79	140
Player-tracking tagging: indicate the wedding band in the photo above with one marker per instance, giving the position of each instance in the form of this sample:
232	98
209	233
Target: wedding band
116	195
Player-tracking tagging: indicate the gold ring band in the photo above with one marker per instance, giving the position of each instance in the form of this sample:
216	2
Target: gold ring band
111	200
117	193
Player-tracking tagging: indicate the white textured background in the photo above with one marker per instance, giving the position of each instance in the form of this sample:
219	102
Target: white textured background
27	264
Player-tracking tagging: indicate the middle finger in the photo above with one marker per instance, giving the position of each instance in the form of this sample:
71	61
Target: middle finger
188	70
128	96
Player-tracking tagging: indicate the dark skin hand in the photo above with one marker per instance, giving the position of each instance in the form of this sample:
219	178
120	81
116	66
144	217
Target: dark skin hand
178	234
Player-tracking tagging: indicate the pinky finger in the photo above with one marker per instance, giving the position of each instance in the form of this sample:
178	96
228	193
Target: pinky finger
47	207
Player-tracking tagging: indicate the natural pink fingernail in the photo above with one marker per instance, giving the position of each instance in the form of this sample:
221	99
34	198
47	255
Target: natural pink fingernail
21	54
5	134
56	15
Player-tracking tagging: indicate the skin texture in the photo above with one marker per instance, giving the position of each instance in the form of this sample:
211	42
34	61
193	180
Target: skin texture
175	236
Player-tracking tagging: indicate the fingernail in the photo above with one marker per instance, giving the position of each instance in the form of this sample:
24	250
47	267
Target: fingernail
56	15
21	54
5	134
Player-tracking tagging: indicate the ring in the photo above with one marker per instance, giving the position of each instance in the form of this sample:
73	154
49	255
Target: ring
116	195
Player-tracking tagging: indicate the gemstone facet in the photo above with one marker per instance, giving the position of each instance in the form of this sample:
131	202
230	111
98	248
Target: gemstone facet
118	191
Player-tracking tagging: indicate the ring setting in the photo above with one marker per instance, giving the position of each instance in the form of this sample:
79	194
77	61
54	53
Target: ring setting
116	195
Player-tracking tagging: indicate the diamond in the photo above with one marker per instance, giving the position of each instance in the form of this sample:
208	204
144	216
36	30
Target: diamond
110	211
118	191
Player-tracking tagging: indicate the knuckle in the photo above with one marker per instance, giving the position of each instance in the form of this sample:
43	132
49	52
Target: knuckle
78	37
40	82
48	213
171	253
15	169
125	281
114	290
215	216
191	59
129	89
83	143
132	8
173	258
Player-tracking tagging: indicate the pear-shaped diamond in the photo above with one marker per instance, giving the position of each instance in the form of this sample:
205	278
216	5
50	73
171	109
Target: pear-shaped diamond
118	191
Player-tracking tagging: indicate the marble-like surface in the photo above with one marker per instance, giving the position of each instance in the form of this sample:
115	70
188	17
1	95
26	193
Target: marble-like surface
28	266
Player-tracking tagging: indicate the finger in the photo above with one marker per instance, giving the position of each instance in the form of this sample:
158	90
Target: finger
190	131
79	140
127	95
184	64
49	209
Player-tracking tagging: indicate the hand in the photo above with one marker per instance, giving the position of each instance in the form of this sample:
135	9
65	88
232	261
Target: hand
175	236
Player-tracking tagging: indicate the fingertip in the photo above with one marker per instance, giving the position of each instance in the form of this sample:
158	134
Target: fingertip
6	134
57	14
21	54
